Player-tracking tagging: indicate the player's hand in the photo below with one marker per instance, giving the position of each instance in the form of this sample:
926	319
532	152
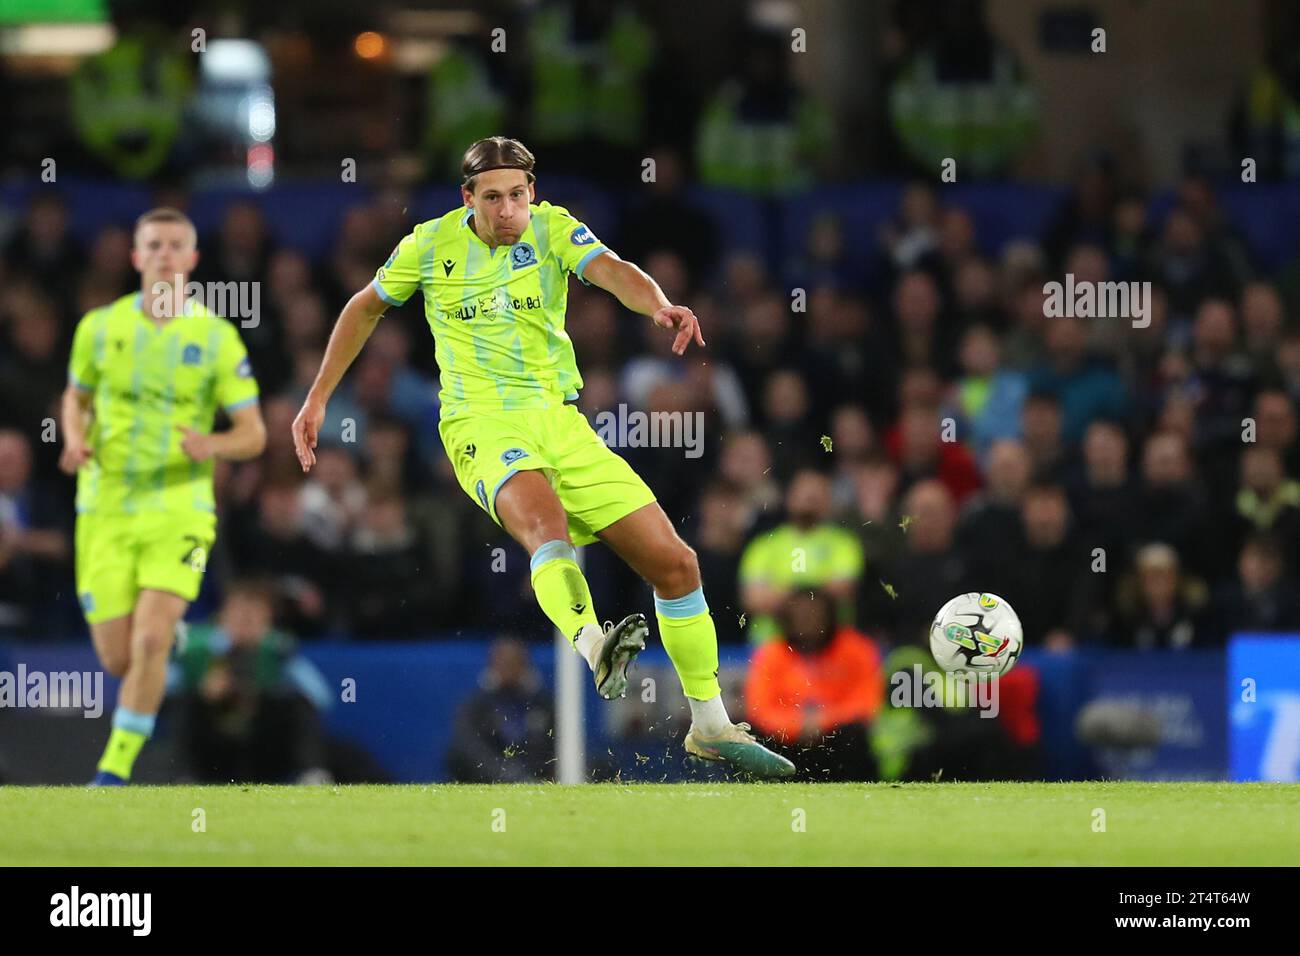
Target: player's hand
683	319
197	445
306	427
73	456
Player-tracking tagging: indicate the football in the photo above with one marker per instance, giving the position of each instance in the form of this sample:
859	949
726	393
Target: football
976	633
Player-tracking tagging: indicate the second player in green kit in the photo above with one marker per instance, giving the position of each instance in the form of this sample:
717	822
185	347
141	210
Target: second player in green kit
494	278
147	375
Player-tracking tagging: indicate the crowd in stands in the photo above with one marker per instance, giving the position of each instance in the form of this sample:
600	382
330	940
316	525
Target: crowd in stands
898	442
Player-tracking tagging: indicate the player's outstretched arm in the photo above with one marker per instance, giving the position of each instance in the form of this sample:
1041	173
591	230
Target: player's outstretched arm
639	292
357	320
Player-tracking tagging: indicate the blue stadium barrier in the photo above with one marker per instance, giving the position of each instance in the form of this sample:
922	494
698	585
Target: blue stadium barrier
1263	706
407	694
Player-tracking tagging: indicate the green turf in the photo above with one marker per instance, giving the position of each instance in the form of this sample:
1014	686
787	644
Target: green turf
649	824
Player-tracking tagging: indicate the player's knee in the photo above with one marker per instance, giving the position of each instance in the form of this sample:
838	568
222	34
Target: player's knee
680	573
116	662
152	642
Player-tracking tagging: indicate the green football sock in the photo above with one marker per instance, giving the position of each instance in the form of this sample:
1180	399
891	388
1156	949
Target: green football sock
687	631
119	756
561	589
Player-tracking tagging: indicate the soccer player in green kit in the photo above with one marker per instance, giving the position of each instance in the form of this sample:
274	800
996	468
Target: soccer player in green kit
494	274
144	382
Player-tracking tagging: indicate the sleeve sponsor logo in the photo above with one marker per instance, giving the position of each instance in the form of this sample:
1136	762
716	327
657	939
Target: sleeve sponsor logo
582	236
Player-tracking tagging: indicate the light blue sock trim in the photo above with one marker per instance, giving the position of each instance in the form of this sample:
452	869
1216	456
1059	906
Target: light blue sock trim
124	719
551	551
688	605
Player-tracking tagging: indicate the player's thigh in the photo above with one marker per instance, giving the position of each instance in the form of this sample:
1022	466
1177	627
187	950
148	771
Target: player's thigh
112	641
489	455
153	625
530	510
174	550
596	486
107	553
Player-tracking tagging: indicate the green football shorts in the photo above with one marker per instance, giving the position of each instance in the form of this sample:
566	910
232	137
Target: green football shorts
595	485
119	555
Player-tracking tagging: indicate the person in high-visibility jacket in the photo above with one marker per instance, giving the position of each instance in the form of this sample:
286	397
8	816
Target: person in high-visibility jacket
816	689
128	102
762	135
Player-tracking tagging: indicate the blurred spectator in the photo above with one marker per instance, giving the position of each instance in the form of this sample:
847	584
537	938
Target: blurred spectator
759	132
663	218
128	101
902	595
467	101
590	63
1188	266
250	706
994	515
1159	606
503	732
816	687
271	542
1276	426
1040	428
1045	574
386	562
719	541
910	238
45	248
1105	496
807	551
240	251
963	96
1087	388
333	499
988	397
1268	502
1261	599
853	442
1171	503
34	371
36	586
1088	213
920	447
746	462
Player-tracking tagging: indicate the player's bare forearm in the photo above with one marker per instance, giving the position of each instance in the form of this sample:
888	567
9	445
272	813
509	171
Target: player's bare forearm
244	439
627	282
75	415
639	292
355	323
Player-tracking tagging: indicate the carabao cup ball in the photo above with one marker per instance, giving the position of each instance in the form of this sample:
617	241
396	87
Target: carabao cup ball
976	633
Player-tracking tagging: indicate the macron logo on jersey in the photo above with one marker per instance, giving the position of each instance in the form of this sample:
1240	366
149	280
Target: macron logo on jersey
582	236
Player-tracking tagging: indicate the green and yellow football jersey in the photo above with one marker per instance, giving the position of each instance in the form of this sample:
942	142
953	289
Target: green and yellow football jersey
148	381
497	315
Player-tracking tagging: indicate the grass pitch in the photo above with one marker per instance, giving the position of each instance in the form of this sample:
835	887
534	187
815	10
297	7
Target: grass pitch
654	824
